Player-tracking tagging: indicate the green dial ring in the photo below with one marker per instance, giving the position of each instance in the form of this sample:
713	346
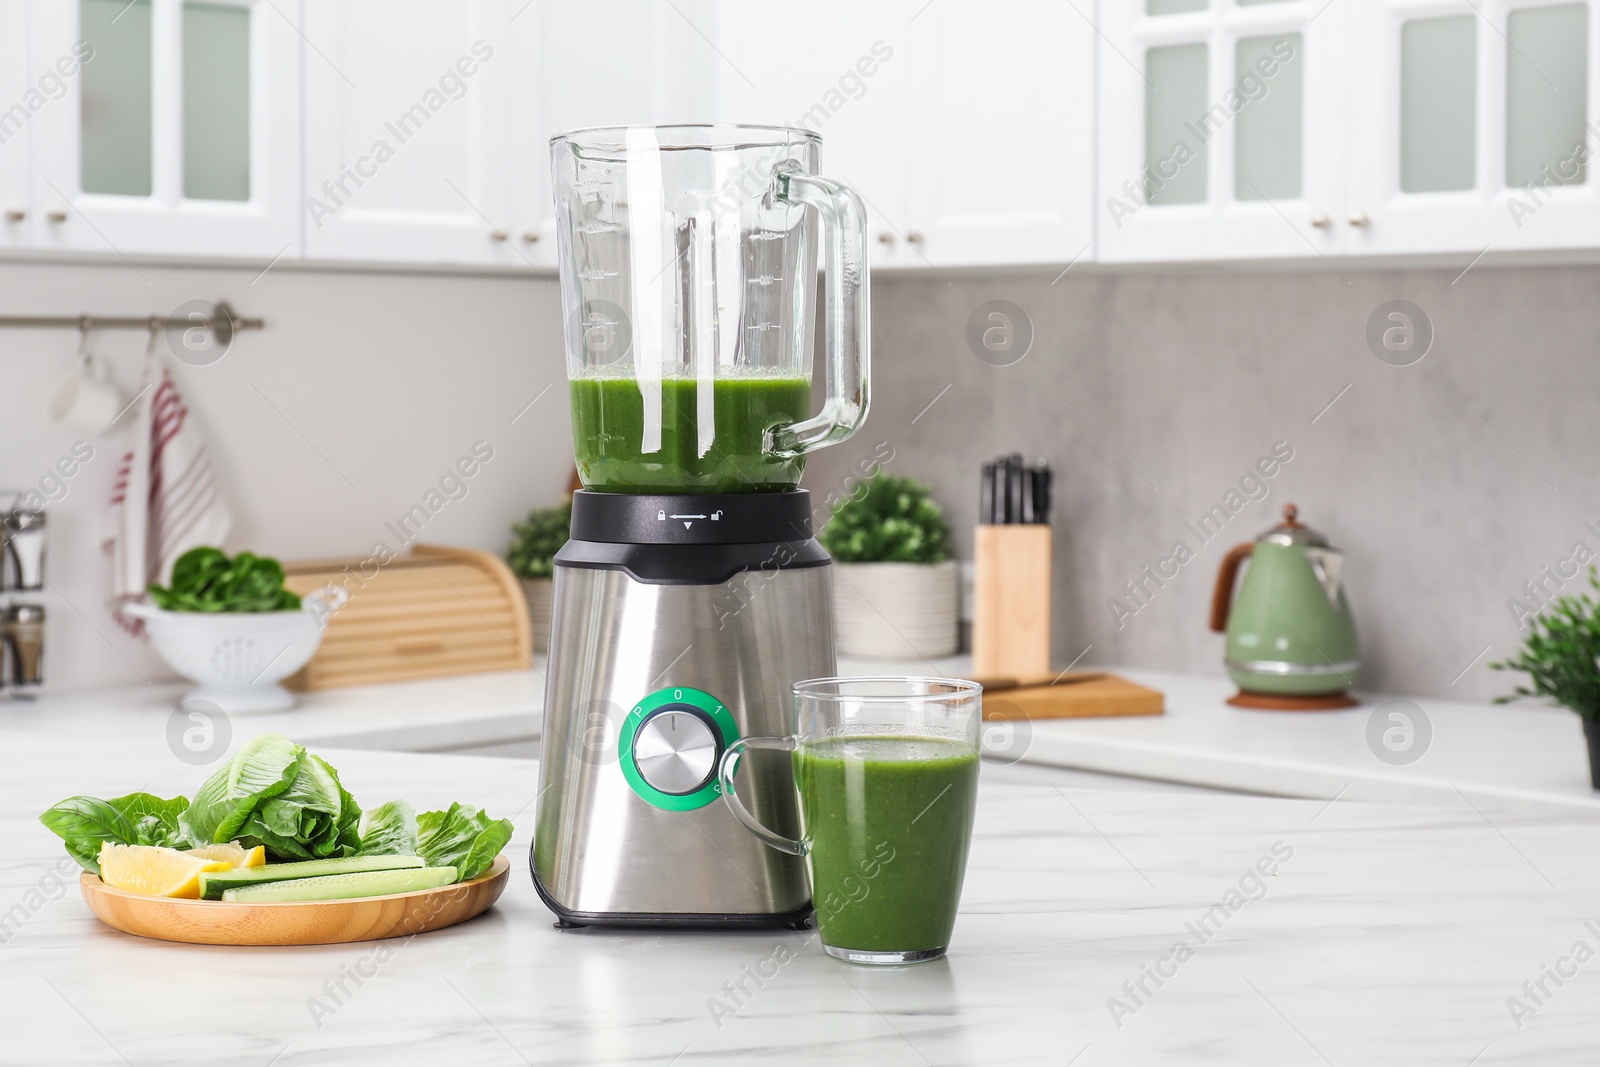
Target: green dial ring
675	698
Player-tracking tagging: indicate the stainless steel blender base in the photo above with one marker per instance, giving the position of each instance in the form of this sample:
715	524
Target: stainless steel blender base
647	682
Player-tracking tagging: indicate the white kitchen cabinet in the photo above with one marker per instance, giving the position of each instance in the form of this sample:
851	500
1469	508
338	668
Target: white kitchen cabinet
962	124
175	131
998	167
1221	129
1458	107
17	108
840	68
408	131
564	78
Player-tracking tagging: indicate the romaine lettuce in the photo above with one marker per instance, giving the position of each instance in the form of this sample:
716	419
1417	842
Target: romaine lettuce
464	838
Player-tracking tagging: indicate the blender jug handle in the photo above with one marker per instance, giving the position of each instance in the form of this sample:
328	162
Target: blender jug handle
844	240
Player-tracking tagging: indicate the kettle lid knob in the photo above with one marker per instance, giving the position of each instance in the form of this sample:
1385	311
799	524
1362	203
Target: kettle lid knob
1293	532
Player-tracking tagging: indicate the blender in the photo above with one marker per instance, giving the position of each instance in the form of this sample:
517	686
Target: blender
691	595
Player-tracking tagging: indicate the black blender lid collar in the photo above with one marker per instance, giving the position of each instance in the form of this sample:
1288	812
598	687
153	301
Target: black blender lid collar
691	519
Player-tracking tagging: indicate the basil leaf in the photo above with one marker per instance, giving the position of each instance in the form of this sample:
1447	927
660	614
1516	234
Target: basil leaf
84	823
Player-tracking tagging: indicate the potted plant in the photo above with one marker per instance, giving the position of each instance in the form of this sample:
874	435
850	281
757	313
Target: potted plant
896	589
1560	658
534	542
230	626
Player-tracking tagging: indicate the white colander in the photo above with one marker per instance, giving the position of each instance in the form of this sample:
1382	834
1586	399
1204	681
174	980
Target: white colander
237	659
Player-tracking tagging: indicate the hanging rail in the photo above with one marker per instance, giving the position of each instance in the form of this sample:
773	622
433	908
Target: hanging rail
228	320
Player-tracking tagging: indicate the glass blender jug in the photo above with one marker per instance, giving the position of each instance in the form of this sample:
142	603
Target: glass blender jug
688	289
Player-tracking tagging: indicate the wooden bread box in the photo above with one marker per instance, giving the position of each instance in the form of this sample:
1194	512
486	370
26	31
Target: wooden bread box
435	611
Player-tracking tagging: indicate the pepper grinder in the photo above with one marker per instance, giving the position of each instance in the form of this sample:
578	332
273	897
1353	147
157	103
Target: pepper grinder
21	625
24	549
24	646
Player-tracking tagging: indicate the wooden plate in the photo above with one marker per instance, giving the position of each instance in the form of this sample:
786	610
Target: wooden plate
312	922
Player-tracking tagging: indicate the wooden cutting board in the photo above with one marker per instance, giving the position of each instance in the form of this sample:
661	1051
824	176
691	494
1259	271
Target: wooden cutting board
435	611
1074	695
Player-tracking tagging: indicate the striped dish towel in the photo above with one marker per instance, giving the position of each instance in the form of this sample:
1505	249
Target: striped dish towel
165	499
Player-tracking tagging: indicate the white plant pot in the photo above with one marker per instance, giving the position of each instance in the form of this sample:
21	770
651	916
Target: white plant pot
236	658
537	591
897	610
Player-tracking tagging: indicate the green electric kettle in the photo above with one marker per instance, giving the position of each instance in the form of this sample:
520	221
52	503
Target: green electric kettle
1291	640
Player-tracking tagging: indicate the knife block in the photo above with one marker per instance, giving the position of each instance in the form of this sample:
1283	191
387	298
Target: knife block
1011	601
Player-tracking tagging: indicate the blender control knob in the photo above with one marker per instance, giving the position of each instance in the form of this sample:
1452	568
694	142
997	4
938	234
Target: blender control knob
676	751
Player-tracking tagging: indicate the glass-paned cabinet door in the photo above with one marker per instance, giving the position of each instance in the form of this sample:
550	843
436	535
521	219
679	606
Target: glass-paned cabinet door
175	130
1472	126
1221	129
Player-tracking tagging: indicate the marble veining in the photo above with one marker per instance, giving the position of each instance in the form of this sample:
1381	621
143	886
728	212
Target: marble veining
1390	935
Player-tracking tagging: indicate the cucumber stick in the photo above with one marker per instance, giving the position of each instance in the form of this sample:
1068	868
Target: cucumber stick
343	886
214	883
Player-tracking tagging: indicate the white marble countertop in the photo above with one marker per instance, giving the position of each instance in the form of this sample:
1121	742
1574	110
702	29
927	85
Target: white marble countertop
1522	756
435	714
1386	934
1513	757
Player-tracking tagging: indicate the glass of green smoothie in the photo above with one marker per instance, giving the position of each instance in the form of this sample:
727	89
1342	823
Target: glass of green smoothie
886	779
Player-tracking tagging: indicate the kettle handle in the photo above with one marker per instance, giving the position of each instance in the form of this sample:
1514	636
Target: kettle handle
1222	596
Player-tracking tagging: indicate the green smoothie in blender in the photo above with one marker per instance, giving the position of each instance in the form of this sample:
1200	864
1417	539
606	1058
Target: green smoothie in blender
609	435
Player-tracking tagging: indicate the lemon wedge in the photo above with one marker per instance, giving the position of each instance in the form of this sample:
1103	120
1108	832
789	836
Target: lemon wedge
234	853
154	871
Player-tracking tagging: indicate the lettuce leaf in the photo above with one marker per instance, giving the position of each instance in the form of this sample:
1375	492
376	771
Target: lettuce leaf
262	769
306	821
275	793
464	838
389	830
136	819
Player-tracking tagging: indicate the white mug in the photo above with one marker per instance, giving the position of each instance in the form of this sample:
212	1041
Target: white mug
85	398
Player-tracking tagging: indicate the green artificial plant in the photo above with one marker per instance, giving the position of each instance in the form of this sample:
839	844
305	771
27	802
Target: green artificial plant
536	539
1560	654
887	520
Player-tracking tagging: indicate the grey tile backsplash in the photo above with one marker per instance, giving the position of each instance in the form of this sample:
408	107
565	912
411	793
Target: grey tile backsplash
1450	483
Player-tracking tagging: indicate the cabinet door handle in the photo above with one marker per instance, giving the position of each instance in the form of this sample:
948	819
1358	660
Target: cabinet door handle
1359	218
56	214
886	238
497	235
915	238
16	214
530	237
1321	221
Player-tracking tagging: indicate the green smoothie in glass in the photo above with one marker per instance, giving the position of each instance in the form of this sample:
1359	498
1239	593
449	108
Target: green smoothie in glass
888	820
885	774
608	434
